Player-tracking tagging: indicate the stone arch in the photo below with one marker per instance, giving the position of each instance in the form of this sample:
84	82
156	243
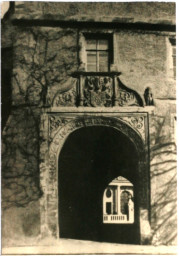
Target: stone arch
64	131
50	199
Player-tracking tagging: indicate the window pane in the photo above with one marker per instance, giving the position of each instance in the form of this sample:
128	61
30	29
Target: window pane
174	50
103	45
91	57
174	66
91	67
103	68
103	57
91	61
103	61
91	44
174	61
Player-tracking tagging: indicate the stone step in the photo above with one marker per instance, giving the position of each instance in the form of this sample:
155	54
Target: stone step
70	246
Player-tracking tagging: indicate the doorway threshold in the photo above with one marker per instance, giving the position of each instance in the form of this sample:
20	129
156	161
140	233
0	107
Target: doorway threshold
72	246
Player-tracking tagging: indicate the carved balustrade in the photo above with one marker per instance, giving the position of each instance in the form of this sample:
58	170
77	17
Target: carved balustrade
98	89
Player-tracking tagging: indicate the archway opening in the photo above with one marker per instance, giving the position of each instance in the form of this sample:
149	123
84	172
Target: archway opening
118	202
91	158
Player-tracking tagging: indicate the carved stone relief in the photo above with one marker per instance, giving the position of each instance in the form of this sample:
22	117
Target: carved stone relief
66	99
59	128
54	123
126	98
148	96
69	125
137	122
98	91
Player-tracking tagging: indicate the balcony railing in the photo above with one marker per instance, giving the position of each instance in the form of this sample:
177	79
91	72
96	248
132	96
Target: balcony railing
98	89
117	219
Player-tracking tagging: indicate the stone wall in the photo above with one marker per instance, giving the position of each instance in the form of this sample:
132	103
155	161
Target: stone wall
163	174
44	59
105	12
20	174
142	59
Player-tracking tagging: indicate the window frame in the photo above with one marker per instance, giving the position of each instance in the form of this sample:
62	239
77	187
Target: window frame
98	37
173	56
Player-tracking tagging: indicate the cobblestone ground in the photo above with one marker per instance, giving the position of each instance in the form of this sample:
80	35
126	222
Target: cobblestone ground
69	246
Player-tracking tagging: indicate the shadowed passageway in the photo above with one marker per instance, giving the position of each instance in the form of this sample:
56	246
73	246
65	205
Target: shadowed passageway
90	159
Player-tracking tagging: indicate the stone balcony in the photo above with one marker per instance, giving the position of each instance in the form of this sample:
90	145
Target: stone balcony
97	89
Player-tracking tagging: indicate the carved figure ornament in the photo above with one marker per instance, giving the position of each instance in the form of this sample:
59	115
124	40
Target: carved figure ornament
148	96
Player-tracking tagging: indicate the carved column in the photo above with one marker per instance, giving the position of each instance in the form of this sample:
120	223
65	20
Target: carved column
81	97
115	102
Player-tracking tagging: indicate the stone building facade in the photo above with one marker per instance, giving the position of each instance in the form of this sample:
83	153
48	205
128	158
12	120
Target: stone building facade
88	86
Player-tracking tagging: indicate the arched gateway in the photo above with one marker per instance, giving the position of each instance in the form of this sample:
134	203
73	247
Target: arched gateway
60	133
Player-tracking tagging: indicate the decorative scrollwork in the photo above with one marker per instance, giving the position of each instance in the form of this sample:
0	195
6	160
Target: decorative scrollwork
137	122
126	98
66	99
98	91
55	122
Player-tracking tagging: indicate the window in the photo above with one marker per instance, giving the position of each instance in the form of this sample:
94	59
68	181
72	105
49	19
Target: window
118	202
98	53
174	60
173	53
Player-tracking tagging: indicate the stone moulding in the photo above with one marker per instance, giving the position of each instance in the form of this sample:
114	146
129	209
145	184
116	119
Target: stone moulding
56	127
136	122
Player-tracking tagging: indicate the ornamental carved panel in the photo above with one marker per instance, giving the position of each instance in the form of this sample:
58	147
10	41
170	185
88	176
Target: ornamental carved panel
97	90
66	99
54	123
126	98
135	121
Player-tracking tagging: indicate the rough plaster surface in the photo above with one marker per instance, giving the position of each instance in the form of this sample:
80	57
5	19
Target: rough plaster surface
163	174
20	171
142	59
21	176
110	12
43	58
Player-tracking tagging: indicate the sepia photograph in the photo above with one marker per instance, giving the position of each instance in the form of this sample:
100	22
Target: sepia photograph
88	128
